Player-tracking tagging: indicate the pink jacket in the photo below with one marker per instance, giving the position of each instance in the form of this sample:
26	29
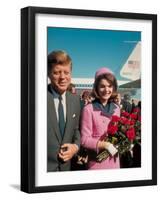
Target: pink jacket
94	126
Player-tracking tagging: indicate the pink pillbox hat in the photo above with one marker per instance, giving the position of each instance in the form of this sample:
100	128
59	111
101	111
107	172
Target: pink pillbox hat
103	70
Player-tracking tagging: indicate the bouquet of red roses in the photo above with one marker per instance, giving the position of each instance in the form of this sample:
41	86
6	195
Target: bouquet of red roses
123	132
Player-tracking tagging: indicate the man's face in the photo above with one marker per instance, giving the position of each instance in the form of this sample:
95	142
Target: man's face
60	77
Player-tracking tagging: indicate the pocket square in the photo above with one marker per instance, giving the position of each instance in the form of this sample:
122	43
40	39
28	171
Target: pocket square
74	115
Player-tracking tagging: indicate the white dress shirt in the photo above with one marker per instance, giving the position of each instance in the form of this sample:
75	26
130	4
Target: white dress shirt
56	102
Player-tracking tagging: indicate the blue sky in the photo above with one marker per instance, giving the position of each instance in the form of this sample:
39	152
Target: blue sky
91	49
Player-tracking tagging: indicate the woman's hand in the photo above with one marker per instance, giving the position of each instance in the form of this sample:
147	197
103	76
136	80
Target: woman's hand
108	146
102	145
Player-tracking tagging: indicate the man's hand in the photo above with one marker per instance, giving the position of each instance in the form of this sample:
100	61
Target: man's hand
67	151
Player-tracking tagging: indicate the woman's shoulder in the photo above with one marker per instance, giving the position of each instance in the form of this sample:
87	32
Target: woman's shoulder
88	107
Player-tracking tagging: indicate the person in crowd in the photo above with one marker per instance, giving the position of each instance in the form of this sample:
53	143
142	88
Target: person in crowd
63	113
96	117
71	88
139	105
86	98
133	104
117	100
126	105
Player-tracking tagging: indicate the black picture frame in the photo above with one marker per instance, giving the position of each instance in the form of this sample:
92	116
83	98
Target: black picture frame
28	90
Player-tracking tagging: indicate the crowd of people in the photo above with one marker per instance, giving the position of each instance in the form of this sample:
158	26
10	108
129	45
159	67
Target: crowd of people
77	125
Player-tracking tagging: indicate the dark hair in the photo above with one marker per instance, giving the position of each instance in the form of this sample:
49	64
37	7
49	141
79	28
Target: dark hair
111	79
58	58
71	85
127	97
85	94
139	104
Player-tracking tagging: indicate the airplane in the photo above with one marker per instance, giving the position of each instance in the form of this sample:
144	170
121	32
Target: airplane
131	71
132	67
87	83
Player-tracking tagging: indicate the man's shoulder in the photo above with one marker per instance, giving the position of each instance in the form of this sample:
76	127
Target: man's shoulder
49	88
74	101
73	96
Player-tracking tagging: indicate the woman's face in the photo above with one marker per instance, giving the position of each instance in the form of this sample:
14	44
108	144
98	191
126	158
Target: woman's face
105	90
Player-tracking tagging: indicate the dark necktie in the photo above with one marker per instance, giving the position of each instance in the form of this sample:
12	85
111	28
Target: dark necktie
61	116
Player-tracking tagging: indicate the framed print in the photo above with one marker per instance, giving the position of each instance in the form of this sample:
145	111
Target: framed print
88	99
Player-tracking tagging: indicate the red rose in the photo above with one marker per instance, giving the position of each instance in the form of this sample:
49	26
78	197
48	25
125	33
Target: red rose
131	134
125	114
136	110
128	122
132	122
133	116
115	118
112	130
123	120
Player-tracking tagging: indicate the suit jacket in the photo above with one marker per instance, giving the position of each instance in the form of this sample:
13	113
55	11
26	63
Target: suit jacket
94	125
71	133
126	105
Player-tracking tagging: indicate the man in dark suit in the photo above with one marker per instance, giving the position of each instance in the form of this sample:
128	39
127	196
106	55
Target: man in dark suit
126	105
63	112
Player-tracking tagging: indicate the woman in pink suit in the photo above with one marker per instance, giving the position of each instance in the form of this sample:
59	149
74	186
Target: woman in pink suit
95	119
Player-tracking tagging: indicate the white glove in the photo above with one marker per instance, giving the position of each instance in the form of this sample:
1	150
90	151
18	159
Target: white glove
111	149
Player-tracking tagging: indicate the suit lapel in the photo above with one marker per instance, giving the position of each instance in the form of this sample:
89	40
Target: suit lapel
52	114
69	112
